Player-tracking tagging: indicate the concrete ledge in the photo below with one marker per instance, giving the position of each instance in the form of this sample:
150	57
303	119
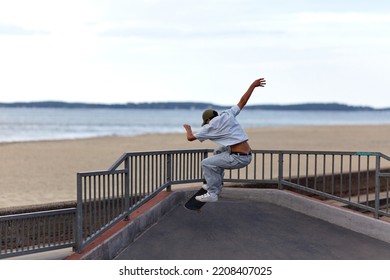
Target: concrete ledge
120	238
342	217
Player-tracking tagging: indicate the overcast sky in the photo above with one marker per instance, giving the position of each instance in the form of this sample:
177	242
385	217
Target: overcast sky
103	51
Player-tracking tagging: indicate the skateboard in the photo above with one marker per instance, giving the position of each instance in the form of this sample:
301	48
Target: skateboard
193	204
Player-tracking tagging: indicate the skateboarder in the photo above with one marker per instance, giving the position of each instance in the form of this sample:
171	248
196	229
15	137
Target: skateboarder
234	151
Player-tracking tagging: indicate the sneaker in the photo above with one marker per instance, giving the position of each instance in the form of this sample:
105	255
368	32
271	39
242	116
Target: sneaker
207	197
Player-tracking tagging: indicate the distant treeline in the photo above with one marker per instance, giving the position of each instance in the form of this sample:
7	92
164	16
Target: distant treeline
189	105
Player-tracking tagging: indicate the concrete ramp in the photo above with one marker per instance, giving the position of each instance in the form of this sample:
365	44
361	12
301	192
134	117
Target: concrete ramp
250	224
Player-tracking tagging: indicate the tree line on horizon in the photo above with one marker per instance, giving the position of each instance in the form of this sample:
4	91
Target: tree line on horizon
189	106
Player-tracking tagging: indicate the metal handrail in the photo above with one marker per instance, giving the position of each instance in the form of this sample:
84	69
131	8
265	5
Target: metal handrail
352	179
36	232
139	177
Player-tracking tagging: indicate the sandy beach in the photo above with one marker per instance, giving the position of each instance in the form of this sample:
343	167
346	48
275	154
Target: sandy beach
45	171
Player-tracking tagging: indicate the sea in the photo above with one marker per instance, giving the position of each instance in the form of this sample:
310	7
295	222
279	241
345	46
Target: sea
36	124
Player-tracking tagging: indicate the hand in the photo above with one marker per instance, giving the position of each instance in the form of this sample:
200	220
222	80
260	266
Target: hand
259	83
187	127
244	99
190	135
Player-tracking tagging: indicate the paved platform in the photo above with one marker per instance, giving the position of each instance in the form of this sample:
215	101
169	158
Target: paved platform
260	224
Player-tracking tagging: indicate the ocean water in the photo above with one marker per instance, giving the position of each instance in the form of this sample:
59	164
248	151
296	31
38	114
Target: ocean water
33	124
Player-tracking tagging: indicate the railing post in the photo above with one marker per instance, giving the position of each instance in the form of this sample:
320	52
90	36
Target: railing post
127	186
169	171
79	216
280	170
377	185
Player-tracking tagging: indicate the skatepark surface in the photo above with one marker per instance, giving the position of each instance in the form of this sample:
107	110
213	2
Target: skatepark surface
245	224
235	228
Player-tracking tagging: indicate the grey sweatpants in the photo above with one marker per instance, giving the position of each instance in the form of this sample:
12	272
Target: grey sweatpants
213	167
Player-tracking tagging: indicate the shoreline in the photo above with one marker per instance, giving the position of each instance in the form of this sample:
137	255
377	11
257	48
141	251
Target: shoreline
38	172
114	135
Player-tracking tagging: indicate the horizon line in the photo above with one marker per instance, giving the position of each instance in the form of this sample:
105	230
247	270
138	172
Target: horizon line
51	103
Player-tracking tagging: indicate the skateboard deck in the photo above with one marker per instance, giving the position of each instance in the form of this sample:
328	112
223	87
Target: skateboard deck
193	204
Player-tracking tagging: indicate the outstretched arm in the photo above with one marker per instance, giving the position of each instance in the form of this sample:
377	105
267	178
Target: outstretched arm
244	99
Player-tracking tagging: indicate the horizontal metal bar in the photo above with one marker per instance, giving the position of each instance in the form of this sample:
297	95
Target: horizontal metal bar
168	152
102	172
330	196
31	215
179	182
251	181
297	152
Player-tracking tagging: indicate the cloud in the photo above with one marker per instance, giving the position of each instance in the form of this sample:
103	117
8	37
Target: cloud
177	33
344	17
19	31
193	50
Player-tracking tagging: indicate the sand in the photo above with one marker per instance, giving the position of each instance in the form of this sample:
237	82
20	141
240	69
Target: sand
45	171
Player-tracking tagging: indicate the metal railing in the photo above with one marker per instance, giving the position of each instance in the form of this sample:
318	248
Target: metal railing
105	197
36	232
352	179
341	176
